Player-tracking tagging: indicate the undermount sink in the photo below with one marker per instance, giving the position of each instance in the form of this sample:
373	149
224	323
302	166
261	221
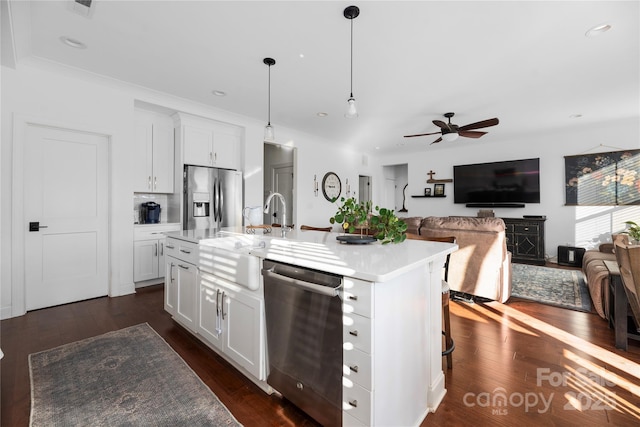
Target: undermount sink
230	264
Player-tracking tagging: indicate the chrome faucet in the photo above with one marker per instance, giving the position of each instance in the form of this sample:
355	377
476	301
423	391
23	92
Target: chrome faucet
267	203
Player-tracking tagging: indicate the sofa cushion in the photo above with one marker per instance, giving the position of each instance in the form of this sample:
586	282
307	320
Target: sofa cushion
413	224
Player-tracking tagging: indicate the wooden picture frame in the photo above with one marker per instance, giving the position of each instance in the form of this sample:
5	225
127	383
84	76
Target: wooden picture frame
438	189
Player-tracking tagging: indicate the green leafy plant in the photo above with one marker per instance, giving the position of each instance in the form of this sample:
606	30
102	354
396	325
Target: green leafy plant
351	214
388	228
385	226
633	231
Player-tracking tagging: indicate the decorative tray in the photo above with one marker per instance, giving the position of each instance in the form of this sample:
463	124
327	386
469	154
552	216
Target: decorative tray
356	239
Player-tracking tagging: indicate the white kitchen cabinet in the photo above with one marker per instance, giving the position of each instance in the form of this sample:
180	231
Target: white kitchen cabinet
186	280
181	282
208	143
154	153
148	256
149	252
231	320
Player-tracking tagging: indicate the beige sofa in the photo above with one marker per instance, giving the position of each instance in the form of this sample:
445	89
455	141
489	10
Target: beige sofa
481	266
597	274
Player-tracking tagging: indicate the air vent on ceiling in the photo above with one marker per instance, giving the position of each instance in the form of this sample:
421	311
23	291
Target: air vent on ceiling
81	7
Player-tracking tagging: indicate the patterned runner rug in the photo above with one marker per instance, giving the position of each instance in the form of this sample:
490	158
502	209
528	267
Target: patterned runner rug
552	286
127	377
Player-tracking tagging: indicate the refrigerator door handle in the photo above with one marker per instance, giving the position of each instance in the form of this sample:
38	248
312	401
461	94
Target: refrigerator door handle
215	200
220	202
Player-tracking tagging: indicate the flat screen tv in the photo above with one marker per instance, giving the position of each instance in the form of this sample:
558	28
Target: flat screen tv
508	183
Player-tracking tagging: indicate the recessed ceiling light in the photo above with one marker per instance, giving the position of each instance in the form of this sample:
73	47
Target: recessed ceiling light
73	42
597	30
322	114
219	93
302	55
575	116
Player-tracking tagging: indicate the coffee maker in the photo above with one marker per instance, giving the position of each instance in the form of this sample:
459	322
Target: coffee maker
149	213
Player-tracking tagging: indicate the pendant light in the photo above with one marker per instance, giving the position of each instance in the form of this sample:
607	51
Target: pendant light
268	129
351	13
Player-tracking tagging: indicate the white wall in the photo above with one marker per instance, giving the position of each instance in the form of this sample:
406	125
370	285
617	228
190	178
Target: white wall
579	226
52	94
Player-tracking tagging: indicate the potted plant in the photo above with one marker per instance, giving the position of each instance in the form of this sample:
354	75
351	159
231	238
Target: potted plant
352	215
633	231
387	227
384	225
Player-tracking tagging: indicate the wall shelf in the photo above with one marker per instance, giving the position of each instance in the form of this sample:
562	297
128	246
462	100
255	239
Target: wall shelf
418	196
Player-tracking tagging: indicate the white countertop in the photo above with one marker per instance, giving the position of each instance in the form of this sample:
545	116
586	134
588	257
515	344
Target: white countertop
321	251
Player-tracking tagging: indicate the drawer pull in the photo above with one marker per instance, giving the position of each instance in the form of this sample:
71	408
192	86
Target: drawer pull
170	247
354	333
184	267
353	403
354	368
184	251
353	297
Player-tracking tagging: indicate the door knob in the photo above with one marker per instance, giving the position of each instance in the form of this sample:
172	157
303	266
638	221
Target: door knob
35	226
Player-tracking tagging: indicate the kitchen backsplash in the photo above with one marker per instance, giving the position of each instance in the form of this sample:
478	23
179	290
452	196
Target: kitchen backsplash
161	199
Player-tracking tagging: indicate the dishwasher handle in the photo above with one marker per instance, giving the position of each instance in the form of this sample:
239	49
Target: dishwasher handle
312	287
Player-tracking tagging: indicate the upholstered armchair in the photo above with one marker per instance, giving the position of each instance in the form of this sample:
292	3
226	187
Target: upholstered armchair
482	265
628	258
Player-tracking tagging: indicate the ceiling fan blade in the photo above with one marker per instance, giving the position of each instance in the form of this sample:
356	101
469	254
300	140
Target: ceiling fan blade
482	124
471	133
441	124
437	140
422	134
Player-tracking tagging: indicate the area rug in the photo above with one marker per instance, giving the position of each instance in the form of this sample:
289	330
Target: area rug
129	377
553	286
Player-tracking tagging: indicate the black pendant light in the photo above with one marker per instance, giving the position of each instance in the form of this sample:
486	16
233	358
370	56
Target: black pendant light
351	13
268	129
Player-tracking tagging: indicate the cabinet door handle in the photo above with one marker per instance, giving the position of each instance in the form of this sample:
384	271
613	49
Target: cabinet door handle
210	157
353	403
156	245
353	297
171	272
222	307
155	182
161	249
217	302
149	184
354	333
354	368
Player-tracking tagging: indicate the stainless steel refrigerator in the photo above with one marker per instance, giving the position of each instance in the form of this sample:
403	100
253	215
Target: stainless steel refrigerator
212	198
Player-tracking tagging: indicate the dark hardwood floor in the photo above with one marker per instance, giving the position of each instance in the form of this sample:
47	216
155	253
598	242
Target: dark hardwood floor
551	366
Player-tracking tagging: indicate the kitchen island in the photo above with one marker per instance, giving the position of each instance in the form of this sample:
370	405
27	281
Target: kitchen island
392	364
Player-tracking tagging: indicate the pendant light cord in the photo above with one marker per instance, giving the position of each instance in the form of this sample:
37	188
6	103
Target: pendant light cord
351	92
269	99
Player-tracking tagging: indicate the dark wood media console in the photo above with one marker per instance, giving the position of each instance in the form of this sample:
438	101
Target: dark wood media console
525	239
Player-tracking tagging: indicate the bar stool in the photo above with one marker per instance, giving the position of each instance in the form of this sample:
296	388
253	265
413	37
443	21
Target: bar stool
449	343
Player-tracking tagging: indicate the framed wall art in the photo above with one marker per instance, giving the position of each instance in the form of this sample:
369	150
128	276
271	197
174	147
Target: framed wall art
603	179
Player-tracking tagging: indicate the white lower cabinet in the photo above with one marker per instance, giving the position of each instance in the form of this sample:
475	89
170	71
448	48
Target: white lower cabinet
357	353
148	256
230	319
170	286
181	281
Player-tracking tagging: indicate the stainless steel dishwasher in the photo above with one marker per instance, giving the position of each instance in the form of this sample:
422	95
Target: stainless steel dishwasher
303	311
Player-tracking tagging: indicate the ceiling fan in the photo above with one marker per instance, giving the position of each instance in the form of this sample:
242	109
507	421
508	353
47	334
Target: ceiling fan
450	131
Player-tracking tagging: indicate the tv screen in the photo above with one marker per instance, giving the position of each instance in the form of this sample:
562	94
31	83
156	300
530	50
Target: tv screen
507	182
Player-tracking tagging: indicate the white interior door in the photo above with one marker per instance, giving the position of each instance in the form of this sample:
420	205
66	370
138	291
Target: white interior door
65	192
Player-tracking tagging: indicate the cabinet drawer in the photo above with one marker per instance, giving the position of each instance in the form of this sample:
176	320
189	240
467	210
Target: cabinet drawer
184	251
357	367
356	332
356	402
526	228
357	297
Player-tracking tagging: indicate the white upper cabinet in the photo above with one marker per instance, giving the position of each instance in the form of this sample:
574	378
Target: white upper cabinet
153	151
208	143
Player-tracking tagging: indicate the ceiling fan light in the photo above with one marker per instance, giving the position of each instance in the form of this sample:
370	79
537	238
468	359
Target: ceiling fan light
451	136
352	112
